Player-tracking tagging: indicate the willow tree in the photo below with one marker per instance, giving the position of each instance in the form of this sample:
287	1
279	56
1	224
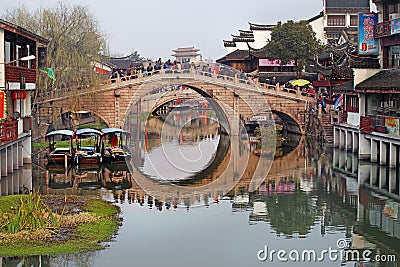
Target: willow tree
293	41
75	42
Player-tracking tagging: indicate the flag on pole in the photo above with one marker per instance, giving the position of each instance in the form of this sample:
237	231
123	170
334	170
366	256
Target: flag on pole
338	102
50	73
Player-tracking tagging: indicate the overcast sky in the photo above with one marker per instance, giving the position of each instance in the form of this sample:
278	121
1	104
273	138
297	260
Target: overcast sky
155	27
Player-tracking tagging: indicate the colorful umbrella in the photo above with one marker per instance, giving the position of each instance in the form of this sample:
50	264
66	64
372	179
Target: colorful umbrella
299	82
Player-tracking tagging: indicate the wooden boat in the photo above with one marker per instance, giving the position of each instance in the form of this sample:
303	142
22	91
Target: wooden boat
115	145
88	146
60	153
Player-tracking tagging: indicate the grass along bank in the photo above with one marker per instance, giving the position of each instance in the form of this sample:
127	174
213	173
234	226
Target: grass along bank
45	225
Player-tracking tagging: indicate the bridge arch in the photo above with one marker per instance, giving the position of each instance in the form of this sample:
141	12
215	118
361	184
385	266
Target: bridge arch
290	124
112	101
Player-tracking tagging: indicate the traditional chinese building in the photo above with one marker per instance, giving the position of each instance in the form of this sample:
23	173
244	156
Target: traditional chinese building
186	54
20	52
246	50
369	123
342	15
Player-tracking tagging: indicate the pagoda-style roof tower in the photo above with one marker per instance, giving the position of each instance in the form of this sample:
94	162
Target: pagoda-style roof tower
186	54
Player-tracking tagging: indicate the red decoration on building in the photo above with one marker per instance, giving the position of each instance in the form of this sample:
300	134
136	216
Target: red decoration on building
20	94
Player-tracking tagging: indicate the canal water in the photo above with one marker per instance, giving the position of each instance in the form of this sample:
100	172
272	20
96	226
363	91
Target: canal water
315	205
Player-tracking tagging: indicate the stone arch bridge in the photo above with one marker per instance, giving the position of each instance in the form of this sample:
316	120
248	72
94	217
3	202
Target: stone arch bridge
112	101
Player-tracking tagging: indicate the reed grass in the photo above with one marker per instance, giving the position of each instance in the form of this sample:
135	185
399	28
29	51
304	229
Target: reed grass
31	214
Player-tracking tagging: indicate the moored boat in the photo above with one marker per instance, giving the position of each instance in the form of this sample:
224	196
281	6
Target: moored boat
115	145
60	146
88	146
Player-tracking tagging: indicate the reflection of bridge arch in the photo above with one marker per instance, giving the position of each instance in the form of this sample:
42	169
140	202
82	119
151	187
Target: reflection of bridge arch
290	165
112	102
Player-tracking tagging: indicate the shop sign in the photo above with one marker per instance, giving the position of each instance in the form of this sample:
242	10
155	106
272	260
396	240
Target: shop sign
392	126
353	118
2	104
391	209
19	94
259	118
395	26
367	44
264	62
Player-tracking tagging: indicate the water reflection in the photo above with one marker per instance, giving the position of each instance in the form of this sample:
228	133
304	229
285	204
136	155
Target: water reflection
19	182
310	199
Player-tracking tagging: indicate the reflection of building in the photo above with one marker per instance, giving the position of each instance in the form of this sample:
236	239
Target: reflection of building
18	72
379	221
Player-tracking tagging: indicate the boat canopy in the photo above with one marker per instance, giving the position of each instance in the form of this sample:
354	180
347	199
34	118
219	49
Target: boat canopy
88	131
114	130
60	132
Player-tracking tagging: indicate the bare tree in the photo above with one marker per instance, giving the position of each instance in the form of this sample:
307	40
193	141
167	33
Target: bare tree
75	41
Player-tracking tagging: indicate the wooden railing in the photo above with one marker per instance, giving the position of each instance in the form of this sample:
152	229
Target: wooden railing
8	131
374	123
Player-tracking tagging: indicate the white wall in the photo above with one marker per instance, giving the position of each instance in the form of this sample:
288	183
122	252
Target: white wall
230	49
363	74
242	46
260	39
318	27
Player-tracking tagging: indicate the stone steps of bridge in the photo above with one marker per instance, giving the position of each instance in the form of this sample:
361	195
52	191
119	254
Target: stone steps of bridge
327	127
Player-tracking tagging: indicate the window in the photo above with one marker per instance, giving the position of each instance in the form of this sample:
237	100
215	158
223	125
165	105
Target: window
8	51
391	8
353	20
18	54
352	103
394	56
336	20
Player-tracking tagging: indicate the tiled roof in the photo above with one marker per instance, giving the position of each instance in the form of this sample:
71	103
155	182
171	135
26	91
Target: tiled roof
246	39
229	43
364	62
259	53
244	33
22	31
122	63
347	4
236	55
386	80
261	27
186	49
320	15
346	87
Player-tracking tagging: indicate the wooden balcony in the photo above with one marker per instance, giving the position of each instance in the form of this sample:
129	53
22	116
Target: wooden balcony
13	74
382	29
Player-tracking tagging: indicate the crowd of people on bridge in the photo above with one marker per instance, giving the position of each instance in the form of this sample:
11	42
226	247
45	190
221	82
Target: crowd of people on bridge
151	68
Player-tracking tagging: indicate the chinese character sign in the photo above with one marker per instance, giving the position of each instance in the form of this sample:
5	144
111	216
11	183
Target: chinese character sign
367	44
